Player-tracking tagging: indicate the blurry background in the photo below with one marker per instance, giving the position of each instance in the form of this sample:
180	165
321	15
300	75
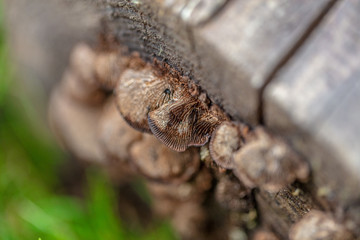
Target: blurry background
44	194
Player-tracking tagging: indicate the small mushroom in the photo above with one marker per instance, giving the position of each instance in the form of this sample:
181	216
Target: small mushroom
189	221
115	135
163	206
92	73
163	103
319	225
267	162
108	68
185	120
193	190
158	162
138	92
200	221
75	124
209	163
82	61
233	195
73	86
182	123
225	140
264	234
80	80
168	197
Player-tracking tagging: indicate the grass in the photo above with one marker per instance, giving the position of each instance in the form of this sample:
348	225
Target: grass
30	206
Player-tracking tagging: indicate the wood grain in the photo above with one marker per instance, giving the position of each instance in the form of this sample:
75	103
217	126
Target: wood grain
314	102
241	46
279	211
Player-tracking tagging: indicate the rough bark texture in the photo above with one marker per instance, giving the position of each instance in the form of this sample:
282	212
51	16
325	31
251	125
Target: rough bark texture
289	66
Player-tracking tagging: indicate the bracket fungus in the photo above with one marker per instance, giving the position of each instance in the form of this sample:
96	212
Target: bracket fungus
268	162
82	62
75	125
183	122
193	190
115	135
264	234
108	67
138	92
232	194
74	109
225	140
188	220
158	162
167	105
79	80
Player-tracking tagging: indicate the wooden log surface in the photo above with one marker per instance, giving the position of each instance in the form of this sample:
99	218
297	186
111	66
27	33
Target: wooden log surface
281	210
289	66
231	55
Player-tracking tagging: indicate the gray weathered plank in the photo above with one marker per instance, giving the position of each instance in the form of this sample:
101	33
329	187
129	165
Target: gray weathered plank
314	102
244	43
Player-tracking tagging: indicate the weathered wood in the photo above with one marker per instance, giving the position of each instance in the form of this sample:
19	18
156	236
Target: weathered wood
281	210
314	102
243	44
153	31
240	46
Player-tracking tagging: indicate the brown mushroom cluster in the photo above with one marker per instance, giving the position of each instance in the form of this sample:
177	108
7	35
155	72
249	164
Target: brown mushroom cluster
161	101
257	158
137	118
97	110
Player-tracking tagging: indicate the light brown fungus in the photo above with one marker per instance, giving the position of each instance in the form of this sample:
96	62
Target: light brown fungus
267	162
158	162
164	104
225	140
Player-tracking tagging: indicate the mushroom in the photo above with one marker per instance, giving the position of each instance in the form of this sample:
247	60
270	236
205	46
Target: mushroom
138	92
115	135
264	234
92	74
232	194
319	225
163	103
75	124
200	221
267	162
168	196
108	68
189	221
80	79
193	190
73	86
225	140
183	122
158	162
82	62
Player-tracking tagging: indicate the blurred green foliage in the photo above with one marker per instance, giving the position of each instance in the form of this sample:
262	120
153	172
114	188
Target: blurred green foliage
30	207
